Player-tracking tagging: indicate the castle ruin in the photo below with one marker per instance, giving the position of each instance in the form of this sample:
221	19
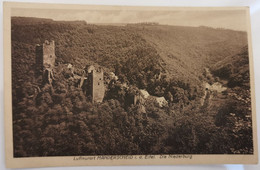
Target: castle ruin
45	61
91	81
94	86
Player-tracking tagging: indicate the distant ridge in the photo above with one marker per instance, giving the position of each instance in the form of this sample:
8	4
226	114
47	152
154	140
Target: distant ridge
33	20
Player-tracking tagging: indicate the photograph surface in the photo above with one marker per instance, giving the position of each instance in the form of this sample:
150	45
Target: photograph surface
116	82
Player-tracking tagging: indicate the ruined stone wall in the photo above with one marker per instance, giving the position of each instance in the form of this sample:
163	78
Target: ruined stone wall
98	88
39	60
45	59
48	55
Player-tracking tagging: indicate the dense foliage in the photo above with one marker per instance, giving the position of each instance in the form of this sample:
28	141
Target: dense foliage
58	119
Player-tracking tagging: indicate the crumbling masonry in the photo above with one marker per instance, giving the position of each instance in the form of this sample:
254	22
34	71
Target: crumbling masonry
92	80
95	87
45	61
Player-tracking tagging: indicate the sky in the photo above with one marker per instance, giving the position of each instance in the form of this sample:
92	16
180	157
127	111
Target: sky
229	19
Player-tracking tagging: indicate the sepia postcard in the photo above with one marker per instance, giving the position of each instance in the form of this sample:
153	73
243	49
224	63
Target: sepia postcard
125	85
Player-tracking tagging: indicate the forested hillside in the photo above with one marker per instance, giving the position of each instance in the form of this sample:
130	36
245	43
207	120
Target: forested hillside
187	50
184	50
60	116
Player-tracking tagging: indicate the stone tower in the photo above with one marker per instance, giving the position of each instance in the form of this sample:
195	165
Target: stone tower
95	87
45	60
